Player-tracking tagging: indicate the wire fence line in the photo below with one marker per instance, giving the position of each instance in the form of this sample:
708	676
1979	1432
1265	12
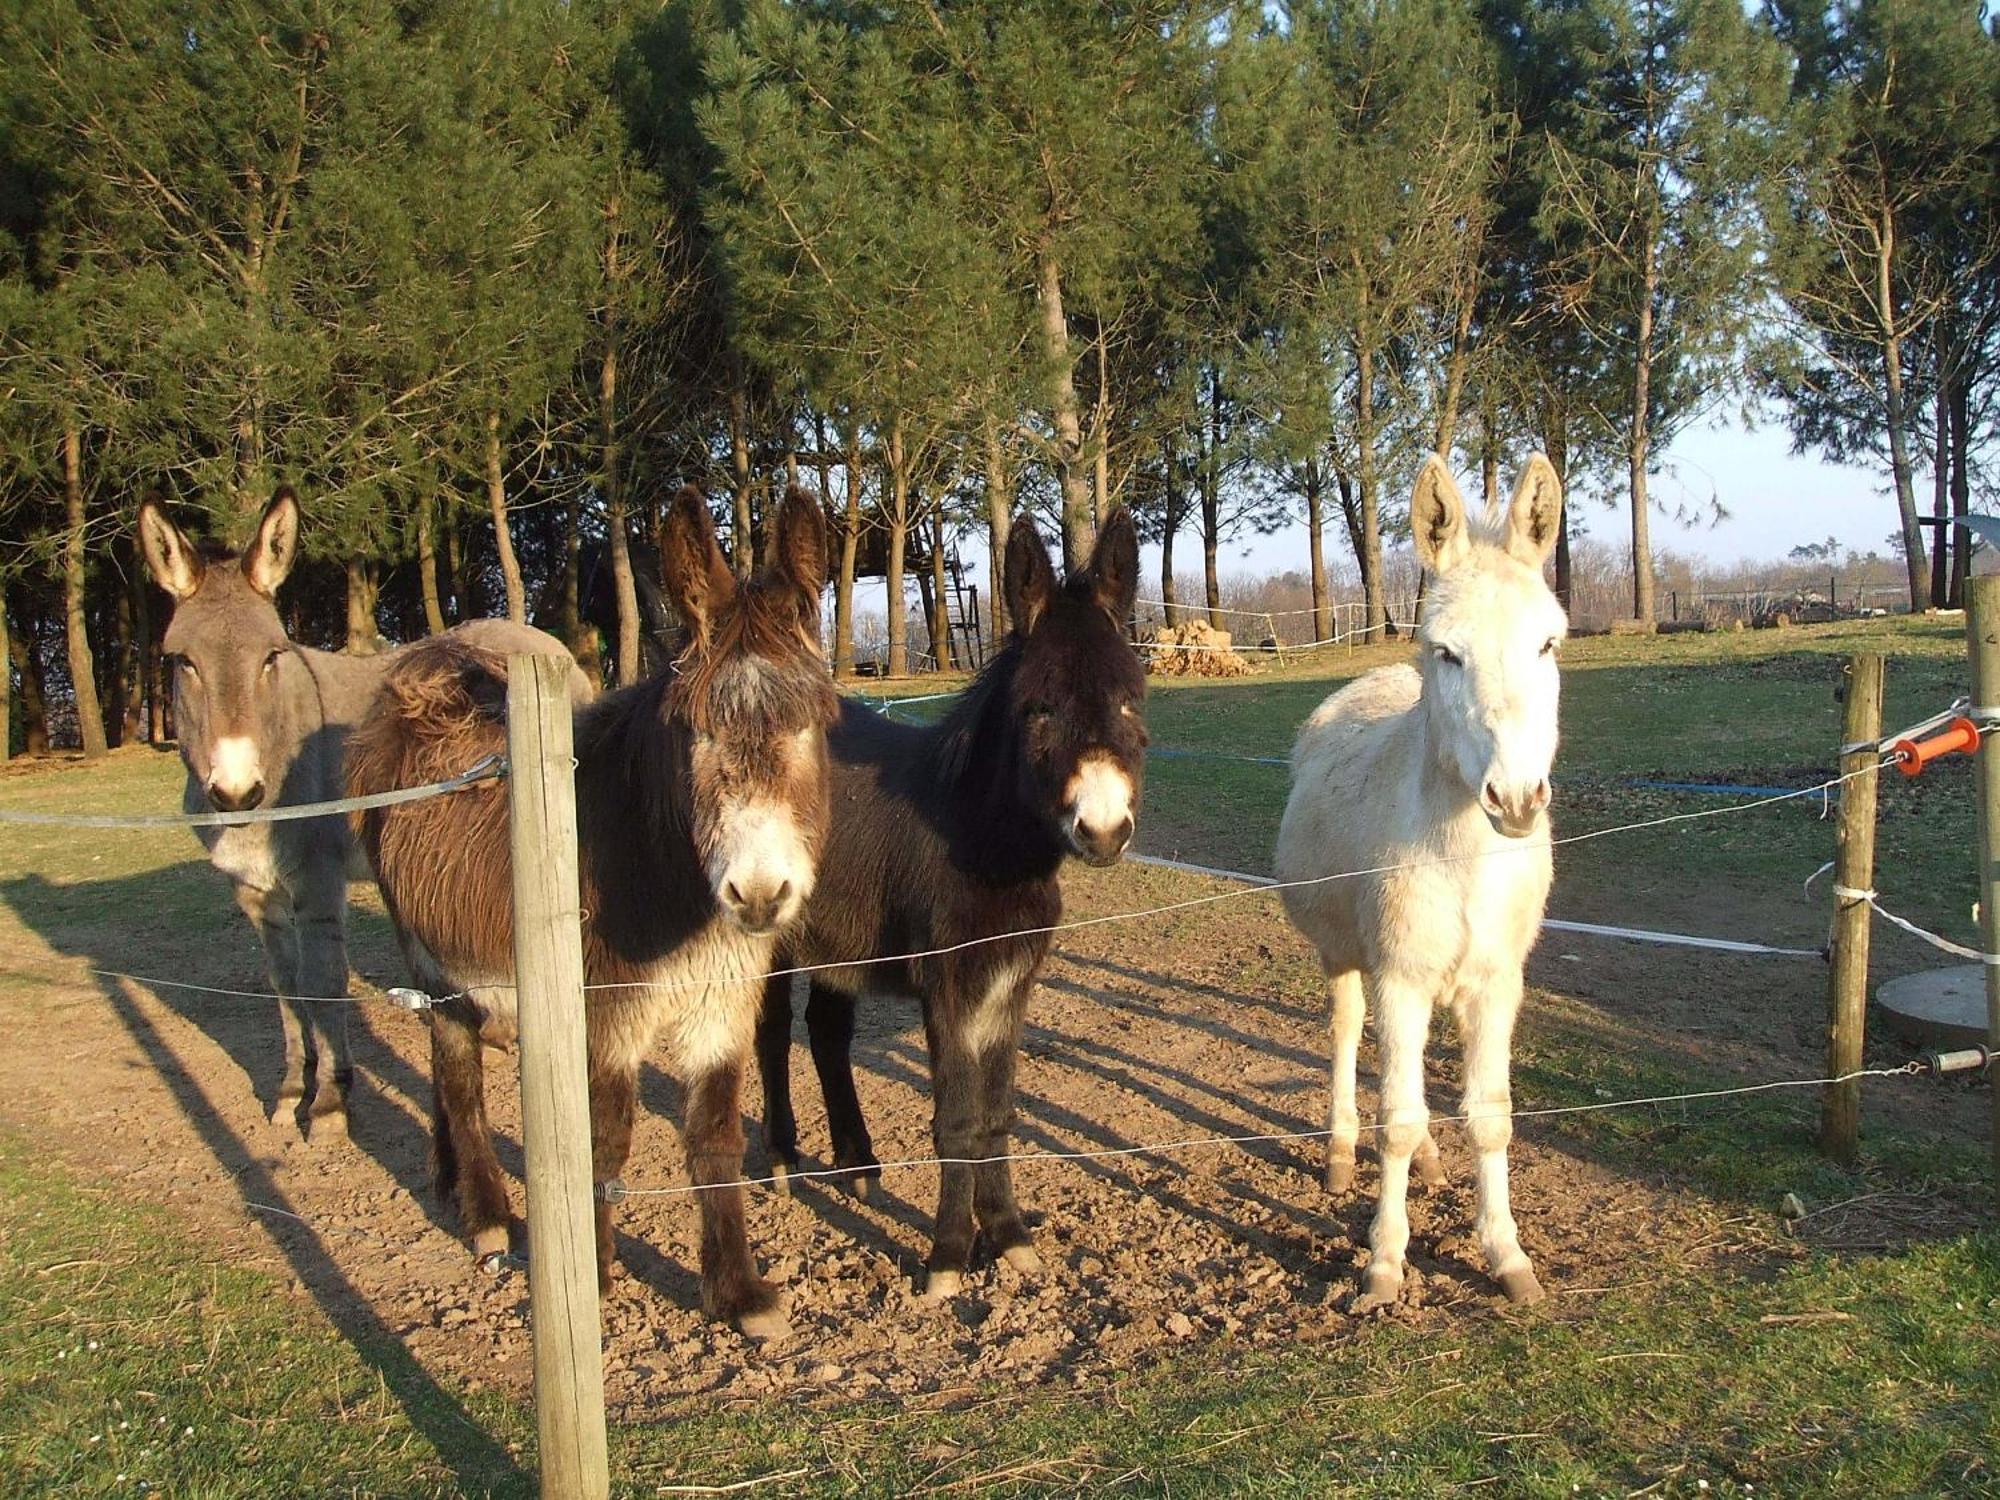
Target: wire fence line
414	1000
490	768
618	1191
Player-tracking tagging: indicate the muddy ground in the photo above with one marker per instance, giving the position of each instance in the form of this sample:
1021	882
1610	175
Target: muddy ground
1203	1023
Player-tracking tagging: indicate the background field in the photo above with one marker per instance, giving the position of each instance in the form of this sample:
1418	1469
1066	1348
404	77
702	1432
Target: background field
153	1330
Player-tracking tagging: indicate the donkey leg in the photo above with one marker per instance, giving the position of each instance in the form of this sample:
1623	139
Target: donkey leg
614	1096
1486	1022
1402	1024
830	1027
322	910
993	1180
1350	1010
954	1116
774	1070
464	1166
271	914
731	1289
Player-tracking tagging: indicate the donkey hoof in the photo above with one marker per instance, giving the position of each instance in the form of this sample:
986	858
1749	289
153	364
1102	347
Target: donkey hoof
781	1179
1023	1259
1340	1176
286	1110
1430	1172
939	1286
1521	1285
1381	1286
331	1126
765	1323
862	1183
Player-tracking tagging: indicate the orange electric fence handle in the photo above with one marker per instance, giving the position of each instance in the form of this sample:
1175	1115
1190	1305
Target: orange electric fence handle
1913	755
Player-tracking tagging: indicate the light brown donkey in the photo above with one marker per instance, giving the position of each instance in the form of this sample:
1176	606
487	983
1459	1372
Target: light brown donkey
701	807
262	719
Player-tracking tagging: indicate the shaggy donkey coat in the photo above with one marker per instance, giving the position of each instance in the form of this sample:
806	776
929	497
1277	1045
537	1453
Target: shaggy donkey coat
261	719
1442	768
701	807
953	834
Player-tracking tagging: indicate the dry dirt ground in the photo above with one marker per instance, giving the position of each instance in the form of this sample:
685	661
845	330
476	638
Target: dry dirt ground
1206	1022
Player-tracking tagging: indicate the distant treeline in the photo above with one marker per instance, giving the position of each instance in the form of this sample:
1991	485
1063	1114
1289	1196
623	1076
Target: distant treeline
486	281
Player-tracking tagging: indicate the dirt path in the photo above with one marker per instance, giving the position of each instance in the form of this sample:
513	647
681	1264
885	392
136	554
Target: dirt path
1204	1023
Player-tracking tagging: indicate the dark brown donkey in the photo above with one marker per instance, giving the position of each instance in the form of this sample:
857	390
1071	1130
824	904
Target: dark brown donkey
950	835
261	719
701	808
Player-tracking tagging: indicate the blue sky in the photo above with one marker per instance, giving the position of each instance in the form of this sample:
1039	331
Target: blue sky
1774	500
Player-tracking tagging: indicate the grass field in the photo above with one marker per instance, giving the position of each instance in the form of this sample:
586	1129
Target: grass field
135	1357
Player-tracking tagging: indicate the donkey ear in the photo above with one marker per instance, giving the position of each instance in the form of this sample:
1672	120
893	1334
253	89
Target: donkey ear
1437	516
272	551
170	556
697	579
1535	513
1031	581
801	549
1114	565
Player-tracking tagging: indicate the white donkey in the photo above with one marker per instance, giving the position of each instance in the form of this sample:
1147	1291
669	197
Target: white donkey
1441	769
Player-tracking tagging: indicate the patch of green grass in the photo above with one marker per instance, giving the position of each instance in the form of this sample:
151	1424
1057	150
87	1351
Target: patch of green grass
133	1362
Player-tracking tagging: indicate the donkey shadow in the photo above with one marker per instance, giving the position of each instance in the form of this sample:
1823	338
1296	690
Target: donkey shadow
89	920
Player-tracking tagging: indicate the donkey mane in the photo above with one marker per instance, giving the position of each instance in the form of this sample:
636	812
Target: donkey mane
958	738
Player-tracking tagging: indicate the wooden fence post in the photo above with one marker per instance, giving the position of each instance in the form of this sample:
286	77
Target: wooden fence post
555	1103
1982	636
1853	870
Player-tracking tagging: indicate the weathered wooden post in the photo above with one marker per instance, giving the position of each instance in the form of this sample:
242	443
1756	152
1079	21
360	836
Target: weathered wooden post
1853	870
555	1105
1982	636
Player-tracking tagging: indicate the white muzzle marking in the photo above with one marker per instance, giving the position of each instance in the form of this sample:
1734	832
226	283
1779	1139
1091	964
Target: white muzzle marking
761	870
1098	806
235	766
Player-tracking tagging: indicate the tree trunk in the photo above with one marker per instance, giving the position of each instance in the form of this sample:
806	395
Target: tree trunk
1375	608
123	720
622	583
503	537
1170	525
742	533
999	522
151	678
940	595
1079	521
1489	449
579	634
899	523
427	580
82	667
24	646
1211	503
1350	515
1637	452
1941	498
1315	488
1895	415
452	585
363	588
6	685
850	541
1961	486
1446	431
1100	442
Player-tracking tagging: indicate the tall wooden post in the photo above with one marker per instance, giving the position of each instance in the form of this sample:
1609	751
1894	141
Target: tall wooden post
555	1102
1853	870
1982	635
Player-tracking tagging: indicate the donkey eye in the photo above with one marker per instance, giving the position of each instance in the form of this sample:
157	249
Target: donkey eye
272	660
1449	657
1549	646
1126	710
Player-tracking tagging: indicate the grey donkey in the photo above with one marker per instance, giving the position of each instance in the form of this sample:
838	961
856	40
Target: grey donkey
262	719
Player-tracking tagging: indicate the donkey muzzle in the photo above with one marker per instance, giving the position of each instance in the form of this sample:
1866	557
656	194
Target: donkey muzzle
1515	811
234	799
759	907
